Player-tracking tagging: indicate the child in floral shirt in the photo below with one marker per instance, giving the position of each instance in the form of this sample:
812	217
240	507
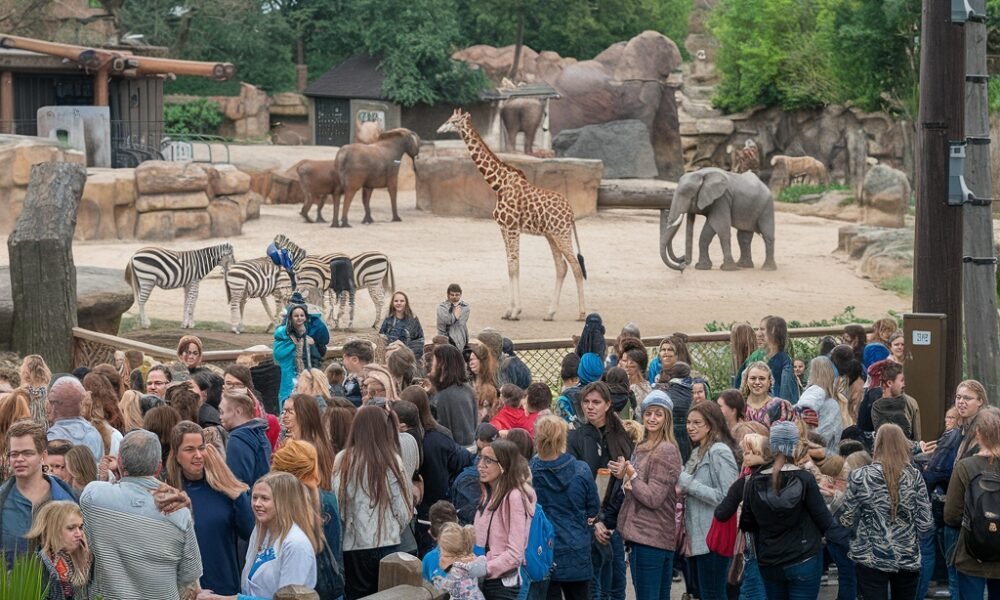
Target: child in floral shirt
462	567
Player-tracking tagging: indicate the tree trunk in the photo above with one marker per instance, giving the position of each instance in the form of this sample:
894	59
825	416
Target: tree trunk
42	273
981	333
518	44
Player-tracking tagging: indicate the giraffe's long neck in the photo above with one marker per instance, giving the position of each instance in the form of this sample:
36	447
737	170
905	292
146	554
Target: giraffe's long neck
492	168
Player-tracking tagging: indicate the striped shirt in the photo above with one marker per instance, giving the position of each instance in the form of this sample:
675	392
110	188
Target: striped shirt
138	551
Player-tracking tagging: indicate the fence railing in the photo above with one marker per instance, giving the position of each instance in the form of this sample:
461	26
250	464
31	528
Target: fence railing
710	353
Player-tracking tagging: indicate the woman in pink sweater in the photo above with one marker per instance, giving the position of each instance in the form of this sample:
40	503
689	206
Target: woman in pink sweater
503	517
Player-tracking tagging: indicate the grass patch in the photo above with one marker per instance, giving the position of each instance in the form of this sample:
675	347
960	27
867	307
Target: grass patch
846	202
900	284
130	323
793	193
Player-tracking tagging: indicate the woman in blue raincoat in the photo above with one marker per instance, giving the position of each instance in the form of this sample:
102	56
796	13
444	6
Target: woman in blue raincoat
300	343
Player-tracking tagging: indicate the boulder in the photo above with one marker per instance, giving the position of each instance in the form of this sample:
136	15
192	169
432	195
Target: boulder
225	180
249	204
623	147
164	177
125	218
628	80
154	202
882	253
227	219
194	224
103	296
104	192
452	186
155	226
885	197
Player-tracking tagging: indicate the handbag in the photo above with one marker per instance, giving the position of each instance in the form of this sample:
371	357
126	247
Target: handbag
721	537
683	546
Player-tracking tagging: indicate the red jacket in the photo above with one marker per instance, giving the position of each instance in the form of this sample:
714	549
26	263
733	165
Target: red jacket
512	418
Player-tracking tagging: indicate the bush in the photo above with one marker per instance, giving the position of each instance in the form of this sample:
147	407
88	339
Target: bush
198	116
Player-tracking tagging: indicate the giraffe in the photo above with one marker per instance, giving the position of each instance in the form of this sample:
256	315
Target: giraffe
523	207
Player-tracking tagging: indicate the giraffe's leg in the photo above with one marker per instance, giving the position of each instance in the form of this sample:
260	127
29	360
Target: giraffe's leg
377	292
558	254
574	265
511	240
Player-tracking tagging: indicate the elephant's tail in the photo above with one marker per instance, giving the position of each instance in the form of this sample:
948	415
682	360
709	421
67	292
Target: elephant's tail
579	252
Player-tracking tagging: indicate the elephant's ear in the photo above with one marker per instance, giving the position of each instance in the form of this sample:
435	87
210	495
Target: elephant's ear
712	188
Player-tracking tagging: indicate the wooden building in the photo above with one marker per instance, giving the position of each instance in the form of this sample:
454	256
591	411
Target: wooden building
36	73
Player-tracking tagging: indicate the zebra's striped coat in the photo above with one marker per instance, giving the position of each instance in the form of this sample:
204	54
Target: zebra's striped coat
256	278
170	269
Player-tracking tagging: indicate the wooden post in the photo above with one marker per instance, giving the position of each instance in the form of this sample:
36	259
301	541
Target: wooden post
42	273
7	102
982	337
937	259
101	87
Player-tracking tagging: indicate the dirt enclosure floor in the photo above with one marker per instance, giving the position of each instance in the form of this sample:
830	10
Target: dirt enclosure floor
627	281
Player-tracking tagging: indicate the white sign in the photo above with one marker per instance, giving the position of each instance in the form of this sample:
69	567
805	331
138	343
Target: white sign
921	338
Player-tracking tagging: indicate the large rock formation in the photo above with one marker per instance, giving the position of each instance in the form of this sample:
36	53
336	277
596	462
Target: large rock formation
885	197
17	155
628	80
623	147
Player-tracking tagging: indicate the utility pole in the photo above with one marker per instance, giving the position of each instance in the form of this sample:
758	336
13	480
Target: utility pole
979	269
937	260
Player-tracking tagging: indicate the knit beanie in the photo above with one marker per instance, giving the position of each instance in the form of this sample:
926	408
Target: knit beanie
657	398
591	368
298	458
784	438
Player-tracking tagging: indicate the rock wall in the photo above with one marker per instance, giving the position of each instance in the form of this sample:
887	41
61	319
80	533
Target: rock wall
448	183
246	116
17	155
628	80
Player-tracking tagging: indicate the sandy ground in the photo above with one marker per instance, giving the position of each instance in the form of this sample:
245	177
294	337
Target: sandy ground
627	281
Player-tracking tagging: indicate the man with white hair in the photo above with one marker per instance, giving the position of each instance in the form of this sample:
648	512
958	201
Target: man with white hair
62	408
139	552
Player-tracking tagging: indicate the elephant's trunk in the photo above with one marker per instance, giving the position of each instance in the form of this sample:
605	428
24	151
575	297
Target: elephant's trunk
668	230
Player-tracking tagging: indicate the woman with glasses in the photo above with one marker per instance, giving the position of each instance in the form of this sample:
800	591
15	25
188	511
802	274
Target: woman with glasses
189	350
302	420
704	481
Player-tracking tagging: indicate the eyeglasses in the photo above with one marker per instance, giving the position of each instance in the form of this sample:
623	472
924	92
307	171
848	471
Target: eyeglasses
154	383
23	453
486	460
288	411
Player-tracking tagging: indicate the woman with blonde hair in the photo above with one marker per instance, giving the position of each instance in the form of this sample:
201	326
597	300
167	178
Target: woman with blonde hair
35	378
314	383
299	458
878	348
761	405
131	408
220	504
975	573
57	532
81	467
647	519
887	503
389	389
821	397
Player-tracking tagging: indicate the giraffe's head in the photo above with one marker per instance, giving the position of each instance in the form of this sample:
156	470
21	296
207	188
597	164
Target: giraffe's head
454	124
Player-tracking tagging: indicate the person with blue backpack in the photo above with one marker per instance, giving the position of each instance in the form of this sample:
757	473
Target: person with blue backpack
568	493
503	518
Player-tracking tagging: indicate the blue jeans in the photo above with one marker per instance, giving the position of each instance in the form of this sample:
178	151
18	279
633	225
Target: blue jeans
752	587
798	581
600	556
972	588
652	572
847	578
618	582
950	539
711	571
928	552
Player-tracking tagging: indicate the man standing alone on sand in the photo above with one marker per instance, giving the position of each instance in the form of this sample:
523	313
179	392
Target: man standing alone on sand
453	317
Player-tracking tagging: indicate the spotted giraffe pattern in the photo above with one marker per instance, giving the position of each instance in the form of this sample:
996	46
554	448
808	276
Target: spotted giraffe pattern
523	207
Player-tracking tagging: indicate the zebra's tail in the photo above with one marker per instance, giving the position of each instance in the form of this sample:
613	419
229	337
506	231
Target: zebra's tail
389	281
131	279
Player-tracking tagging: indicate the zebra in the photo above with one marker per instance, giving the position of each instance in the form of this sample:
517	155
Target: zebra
170	269
256	278
372	270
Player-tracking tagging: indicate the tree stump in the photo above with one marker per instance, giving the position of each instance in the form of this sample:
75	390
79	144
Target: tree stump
399	568
42	272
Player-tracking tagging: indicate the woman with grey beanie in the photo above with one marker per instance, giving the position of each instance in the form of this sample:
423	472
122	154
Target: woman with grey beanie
783	507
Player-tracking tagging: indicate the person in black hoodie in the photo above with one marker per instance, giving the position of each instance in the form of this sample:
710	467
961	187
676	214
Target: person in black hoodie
603	443
783	507
248	453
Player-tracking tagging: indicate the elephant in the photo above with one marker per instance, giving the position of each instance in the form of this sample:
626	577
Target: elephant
318	179
368	166
522	114
726	200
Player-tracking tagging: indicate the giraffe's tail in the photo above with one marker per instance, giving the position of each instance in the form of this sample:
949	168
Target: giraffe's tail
579	252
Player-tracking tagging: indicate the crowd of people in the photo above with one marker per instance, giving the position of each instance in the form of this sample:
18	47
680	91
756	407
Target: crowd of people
178	480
